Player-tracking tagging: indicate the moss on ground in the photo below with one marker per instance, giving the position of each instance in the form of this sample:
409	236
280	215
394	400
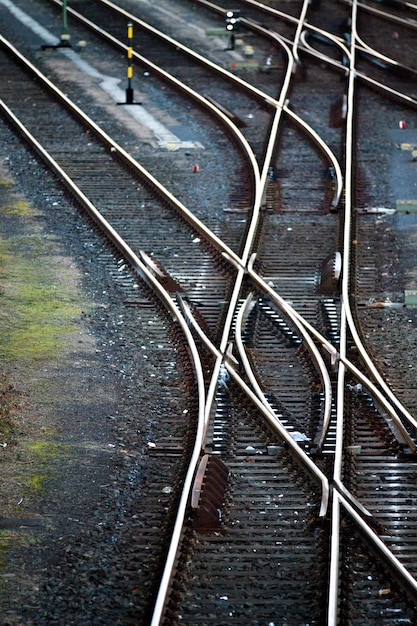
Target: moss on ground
36	310
17	207
9	402
40	310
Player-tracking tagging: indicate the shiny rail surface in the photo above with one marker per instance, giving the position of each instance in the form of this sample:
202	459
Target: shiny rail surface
266	300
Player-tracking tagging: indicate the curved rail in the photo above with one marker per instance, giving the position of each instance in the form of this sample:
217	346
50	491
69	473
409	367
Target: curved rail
345	323
385	15
316	358
373	370
244	265
252	91
334	355
141	269
251	233
229	254
269	415
131	162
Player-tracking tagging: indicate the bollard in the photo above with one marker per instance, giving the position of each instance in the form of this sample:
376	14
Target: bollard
402	124
129	90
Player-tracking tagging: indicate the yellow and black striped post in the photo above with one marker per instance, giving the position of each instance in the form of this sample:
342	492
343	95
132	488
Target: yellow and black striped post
129	90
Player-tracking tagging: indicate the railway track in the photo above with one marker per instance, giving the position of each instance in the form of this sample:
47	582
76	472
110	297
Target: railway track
289	403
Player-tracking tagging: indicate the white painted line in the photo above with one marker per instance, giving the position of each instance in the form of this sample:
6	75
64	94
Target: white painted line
165	138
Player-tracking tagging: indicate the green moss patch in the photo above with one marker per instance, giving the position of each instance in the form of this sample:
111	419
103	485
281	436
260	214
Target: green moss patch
42	453
9	406
18	207
37	310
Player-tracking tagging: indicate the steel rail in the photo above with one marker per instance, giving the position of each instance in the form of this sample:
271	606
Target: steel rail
352	327
250	236
335	538
146	275
328	347
238	263
131	162
139	267
333	40
261	96
361	47
339	491
397	94
300	25
250	89
239	278
258	5
289	18
413	7
282	41
336	508
218	243
174	544
348	322
163	590
221	352
142	276
269	415
220	360
326	150
335	564
334	355
364	47
389	17
364	77
165	297
379	545
368	50
310	27
348	213
315	356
